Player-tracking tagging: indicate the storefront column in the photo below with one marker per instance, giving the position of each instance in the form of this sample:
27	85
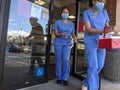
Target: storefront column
111	69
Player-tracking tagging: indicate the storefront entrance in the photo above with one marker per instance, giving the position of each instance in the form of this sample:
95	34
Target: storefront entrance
27	55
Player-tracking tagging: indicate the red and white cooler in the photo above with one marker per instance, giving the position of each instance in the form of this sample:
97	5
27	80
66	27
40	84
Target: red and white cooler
109	40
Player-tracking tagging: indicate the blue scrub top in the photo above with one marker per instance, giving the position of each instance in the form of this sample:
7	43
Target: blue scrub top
67	28
97	21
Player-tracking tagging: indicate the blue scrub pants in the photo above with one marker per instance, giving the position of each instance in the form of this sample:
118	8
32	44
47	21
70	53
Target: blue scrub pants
95	61
62	54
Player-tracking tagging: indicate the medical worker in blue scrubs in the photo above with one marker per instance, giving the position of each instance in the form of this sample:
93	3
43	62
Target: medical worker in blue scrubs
63	30
95	19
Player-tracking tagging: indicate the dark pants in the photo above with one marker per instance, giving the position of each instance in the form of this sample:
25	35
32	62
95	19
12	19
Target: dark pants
35	56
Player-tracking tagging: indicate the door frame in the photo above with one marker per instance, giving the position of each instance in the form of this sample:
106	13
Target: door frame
4	14
47	59
78	2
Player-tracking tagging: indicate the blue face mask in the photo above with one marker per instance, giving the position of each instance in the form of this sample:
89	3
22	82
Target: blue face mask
99	6
65	15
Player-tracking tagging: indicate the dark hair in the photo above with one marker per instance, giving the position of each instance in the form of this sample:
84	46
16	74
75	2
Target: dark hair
90	3
64	8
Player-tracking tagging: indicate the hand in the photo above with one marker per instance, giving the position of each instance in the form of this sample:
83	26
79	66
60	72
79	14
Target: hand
116	30
75	40
109	29
64	34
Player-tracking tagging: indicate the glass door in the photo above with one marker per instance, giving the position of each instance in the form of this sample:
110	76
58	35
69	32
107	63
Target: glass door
79	64
27	43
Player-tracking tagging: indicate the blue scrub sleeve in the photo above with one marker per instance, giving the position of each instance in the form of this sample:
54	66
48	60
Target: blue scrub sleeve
55	27
107	17
73	30
85	16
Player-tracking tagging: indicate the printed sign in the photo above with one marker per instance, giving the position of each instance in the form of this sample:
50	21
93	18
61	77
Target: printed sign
39	71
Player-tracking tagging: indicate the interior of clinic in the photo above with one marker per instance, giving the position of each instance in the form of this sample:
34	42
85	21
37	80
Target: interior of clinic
19	47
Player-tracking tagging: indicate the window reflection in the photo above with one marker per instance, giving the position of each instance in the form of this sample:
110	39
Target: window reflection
18	47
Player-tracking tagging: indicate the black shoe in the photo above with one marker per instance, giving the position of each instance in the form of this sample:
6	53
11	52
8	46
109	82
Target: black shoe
59	81
65	82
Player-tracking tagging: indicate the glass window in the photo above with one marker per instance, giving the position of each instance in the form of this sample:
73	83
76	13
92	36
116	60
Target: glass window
26	41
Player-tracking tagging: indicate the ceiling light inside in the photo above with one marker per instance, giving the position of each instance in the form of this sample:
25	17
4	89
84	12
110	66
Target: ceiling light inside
39	2
71	17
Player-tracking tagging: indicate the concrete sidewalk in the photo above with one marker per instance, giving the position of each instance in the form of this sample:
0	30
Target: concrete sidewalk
74	84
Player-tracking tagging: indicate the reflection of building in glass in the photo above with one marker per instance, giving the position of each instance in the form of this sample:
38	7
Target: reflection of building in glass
19	26
25	10
16	36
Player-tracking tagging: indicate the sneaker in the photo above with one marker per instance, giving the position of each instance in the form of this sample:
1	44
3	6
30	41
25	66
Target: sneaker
65	82
59	81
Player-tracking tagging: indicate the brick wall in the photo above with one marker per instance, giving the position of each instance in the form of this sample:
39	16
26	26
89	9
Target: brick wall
111	8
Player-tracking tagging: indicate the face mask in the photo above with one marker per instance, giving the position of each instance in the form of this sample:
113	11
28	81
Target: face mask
99	6
65	15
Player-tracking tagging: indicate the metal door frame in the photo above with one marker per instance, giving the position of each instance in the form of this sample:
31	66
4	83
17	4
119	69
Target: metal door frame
75	45
4	14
